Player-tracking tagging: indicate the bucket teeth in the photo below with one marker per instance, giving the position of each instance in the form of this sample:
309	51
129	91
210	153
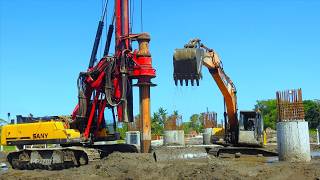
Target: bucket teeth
176	82
187	63
186	81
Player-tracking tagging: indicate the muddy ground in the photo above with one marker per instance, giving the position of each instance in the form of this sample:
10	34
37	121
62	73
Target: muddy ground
143	166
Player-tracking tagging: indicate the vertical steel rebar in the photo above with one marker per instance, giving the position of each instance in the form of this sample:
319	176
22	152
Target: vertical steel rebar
290	105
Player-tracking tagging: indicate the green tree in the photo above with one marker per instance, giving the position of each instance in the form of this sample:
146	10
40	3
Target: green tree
268	109
195	123
175	113
122	129
312	112
157	121
186	127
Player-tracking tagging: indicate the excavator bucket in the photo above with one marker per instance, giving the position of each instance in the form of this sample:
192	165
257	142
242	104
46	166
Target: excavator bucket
187	64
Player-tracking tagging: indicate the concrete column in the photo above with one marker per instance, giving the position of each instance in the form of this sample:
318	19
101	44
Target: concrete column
318	136
133	138
173	137
293	141
207	135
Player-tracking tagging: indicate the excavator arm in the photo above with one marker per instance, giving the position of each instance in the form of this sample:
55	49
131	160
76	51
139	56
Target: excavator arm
187	66
224	83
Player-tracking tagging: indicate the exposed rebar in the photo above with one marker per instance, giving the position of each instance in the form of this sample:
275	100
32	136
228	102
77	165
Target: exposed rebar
210	120
290	105
174	122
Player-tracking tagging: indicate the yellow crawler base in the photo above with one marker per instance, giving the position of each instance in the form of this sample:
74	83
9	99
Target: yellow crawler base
48	132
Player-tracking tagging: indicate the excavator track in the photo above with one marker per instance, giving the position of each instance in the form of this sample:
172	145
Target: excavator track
62	157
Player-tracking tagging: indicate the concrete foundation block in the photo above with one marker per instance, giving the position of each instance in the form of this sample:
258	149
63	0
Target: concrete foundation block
293	141
133	137
207	136
173	137
318	135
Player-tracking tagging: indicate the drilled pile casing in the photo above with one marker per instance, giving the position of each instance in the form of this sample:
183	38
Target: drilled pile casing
179	153
187	64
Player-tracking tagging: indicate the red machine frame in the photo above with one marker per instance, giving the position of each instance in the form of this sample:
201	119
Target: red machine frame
95	90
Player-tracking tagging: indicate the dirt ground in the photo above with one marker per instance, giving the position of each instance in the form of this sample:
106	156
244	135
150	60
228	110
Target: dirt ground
143	166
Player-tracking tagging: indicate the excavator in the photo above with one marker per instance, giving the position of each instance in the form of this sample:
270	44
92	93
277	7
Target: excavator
242	133
245	128
106	86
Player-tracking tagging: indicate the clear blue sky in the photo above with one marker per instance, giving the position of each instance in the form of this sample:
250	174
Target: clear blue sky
265	46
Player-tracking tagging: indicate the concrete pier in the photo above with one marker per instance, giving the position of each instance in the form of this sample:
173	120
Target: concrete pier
318	136
207	136
133	137
173	137
293	141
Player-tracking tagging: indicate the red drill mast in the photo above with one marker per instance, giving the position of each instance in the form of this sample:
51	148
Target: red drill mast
108	84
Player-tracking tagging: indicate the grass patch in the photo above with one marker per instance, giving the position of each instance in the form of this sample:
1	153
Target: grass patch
313	132
120	141
9	148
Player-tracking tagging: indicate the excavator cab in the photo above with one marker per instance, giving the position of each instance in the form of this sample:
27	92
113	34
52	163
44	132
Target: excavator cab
187	63
250	128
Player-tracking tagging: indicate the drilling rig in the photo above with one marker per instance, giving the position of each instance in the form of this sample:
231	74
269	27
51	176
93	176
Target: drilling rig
107	84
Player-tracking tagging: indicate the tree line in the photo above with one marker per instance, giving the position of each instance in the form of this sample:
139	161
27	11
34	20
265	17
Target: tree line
159	118
268	110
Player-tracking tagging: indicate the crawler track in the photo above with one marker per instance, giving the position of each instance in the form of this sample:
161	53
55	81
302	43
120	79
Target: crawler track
62	158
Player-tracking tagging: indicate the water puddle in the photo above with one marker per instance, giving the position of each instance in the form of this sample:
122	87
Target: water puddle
272	159
315	154
3	168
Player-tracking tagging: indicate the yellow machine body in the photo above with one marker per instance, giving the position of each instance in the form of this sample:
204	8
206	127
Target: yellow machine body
48	132
218	132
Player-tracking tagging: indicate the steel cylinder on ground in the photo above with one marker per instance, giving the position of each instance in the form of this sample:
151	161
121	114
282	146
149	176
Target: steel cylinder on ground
133	138
207	135
173	137
318	135
293	141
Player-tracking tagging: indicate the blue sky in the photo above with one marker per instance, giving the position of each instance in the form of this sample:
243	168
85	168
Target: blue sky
265	46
